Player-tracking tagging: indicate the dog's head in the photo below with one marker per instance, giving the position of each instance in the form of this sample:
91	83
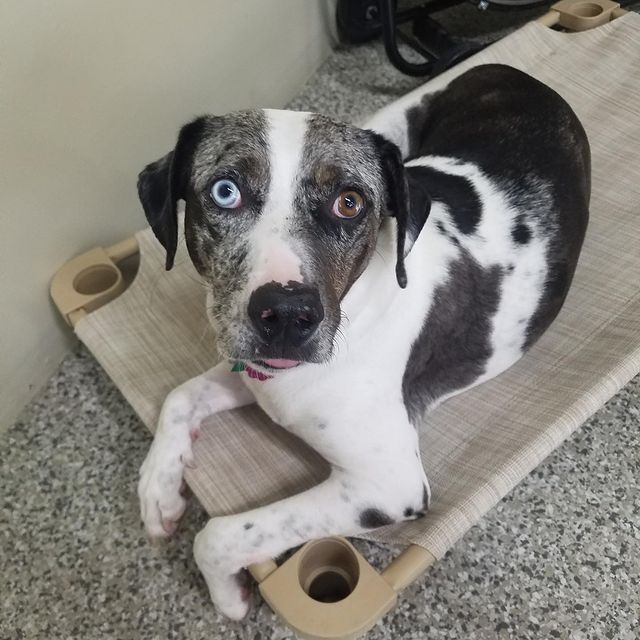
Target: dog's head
282	215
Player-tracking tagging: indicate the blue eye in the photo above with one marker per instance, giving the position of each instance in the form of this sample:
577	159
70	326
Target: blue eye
225	194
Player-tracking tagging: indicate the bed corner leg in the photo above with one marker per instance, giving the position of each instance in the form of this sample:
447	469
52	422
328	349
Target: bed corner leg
91	280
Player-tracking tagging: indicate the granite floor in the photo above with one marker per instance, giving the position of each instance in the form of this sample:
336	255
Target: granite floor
558	558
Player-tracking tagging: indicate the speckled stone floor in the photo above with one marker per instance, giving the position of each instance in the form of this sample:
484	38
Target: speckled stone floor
558	558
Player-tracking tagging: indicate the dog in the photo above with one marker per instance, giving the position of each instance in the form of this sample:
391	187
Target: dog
359	277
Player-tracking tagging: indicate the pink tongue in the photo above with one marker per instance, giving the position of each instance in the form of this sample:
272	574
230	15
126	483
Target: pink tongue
281	363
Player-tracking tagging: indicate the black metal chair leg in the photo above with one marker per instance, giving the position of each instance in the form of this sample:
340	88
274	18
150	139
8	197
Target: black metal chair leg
388	18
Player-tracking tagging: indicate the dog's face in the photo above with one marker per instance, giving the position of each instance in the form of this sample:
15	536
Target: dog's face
282	215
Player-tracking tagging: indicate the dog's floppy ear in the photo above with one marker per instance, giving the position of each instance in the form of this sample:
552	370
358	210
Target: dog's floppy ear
407	201
162	183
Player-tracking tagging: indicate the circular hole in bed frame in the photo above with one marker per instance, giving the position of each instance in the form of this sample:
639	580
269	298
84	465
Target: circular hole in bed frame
328	571
329	586
95	279
587	10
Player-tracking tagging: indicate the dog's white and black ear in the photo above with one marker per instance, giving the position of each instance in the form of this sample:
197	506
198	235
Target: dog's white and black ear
162	183
407	201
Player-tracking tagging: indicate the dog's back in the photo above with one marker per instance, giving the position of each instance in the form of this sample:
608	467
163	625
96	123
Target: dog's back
506	163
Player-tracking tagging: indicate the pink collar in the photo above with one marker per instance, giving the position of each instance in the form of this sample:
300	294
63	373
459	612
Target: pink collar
239	366
256	375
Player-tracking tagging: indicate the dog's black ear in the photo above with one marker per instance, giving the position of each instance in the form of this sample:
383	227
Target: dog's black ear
407	202
162	183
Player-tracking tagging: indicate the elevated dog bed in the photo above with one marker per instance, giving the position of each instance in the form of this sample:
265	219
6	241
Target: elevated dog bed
477	446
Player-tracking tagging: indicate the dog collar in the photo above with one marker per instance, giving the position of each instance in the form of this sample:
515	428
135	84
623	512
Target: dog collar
239	366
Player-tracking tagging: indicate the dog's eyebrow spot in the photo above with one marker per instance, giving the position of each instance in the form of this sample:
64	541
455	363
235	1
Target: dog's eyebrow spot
248	525
226	149
325	173
374	518
322	425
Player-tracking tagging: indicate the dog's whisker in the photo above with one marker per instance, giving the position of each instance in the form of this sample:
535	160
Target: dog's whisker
338	338
199	282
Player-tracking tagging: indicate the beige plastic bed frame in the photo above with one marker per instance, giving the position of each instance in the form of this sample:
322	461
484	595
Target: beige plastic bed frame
328	569
309	590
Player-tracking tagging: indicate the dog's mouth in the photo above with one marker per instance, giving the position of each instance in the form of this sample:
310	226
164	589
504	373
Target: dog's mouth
278	363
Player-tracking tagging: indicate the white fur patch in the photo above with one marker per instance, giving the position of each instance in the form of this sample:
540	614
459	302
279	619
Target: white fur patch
273	256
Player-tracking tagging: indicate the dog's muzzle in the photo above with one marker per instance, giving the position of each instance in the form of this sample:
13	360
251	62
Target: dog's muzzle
285	316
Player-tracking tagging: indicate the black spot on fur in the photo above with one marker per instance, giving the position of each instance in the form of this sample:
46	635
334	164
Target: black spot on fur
248	525
455	342
413	514
419	206
322	425
374	518
521	232
456	192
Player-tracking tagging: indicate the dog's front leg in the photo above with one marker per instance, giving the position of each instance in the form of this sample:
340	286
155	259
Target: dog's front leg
344	504
161	474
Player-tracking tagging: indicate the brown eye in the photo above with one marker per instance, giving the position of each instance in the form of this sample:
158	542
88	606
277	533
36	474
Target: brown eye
348	204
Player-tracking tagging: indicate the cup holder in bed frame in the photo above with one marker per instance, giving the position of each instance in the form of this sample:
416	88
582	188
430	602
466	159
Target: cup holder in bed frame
581	15
92	279
326	589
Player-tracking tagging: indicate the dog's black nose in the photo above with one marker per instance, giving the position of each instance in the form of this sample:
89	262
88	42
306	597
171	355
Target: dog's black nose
288	313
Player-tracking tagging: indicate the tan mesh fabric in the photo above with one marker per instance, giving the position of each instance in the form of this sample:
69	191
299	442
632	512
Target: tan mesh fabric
479	445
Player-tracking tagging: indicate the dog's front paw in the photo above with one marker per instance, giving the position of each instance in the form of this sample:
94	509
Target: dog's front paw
214	550
161	486
231	600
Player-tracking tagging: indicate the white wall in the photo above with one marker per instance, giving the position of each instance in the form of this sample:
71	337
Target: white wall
89	93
